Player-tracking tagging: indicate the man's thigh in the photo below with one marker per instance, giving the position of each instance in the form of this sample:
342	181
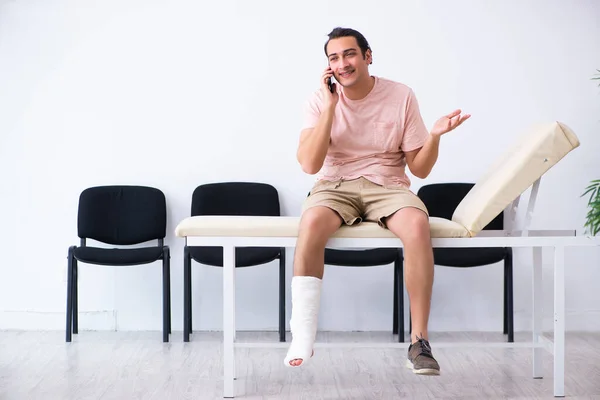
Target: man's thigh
341	197
381	202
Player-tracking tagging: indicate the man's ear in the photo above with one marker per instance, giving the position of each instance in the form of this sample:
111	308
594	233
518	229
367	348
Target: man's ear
369	56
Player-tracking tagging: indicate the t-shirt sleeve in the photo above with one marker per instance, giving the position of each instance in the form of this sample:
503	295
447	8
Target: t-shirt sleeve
312	111
415	131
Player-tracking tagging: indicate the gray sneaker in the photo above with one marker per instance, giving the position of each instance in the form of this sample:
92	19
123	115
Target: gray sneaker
420	359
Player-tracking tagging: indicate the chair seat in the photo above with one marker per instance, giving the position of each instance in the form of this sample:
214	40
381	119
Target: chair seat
244	256
468	256
96	255
361	258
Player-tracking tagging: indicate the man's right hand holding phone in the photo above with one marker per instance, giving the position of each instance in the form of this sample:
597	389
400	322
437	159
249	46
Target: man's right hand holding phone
329	99
314	142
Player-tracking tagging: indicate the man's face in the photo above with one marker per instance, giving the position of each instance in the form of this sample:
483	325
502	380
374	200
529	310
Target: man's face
346	61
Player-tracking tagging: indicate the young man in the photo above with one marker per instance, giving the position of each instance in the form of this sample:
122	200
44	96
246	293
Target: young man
359	139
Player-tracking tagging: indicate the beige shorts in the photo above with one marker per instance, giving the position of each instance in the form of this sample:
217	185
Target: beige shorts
360	199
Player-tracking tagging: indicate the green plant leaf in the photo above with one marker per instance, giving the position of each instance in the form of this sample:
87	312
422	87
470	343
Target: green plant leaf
590	187
592	218
594	193
594	183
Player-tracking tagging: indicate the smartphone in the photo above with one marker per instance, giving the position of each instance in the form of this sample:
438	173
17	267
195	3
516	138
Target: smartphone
331	85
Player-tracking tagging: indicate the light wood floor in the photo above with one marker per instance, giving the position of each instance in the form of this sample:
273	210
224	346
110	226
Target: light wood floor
117	365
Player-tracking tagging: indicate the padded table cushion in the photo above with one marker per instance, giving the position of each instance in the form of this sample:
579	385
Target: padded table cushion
539	149
256	226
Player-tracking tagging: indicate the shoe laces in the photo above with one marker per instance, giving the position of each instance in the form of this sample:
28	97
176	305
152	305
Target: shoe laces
425	347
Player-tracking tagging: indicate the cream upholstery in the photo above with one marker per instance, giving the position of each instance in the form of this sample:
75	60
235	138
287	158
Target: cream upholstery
541	148
288	227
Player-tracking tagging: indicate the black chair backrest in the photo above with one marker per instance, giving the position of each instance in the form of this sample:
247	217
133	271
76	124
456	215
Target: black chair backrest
441	199
236	198
122	215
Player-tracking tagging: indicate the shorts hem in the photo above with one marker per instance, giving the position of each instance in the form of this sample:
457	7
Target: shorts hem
381	218
347	219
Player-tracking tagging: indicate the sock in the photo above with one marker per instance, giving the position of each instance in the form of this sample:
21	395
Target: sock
306	299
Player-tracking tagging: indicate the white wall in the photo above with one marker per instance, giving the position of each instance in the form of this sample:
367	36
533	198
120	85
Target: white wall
176	94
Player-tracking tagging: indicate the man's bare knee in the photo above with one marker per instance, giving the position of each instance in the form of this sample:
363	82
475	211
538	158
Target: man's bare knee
316	226
319	223
411	225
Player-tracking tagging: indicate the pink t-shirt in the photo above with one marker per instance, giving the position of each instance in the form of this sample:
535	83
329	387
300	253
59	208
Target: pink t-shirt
369	136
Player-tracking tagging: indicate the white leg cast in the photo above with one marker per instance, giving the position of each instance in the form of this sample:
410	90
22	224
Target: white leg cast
537	294
559	321
306	299
228	320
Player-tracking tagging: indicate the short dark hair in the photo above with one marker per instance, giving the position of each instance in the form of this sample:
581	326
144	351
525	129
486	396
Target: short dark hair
343	32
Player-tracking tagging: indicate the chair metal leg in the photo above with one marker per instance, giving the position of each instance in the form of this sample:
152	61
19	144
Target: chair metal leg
166	294
187	294
409	323
395	301
508	270
191	314
75	301
169	311
399	267
69	326
505	302
282	295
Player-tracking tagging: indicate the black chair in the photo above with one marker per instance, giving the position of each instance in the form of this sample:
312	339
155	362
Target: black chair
233	198
441	200
371	258
120	216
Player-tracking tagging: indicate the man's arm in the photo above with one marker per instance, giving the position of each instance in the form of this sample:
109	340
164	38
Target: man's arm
421	161
314	143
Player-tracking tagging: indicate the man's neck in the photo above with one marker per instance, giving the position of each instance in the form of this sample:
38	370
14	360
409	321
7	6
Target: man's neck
360	90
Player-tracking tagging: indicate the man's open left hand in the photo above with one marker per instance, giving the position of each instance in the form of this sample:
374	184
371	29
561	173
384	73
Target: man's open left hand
449	122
